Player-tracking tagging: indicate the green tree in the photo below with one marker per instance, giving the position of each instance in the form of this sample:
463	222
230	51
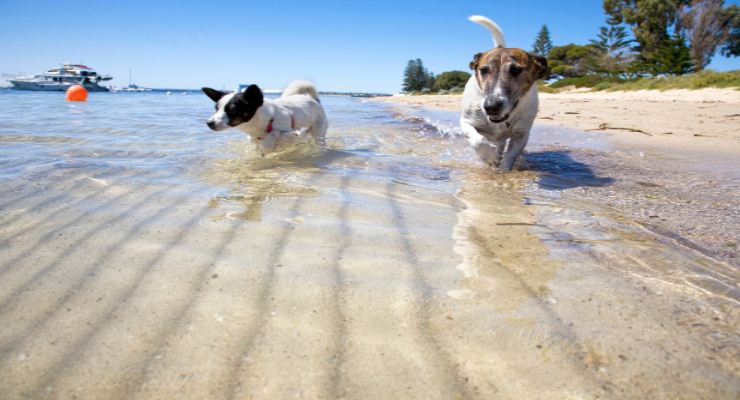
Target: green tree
408	76
416	78
542	44
707	25
451	80
430	80
650	20
731	47
672	57
573	60
652	23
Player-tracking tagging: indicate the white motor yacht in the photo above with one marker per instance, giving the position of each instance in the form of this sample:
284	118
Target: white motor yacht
60	79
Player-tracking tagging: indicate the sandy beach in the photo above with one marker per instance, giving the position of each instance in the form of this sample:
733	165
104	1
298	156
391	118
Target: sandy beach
158	260
710	115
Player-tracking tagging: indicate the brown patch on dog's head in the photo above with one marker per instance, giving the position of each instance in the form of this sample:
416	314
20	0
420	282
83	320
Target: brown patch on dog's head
504	75
488	66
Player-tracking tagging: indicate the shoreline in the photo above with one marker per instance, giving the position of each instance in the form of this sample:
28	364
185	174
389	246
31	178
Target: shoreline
683	185
704	118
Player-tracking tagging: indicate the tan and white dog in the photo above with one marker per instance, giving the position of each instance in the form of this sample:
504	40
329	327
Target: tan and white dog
294	118
499	103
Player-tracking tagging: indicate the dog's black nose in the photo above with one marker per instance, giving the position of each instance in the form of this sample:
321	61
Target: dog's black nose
493	107
211	124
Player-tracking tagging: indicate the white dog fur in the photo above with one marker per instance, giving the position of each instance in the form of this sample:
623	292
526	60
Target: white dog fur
295	117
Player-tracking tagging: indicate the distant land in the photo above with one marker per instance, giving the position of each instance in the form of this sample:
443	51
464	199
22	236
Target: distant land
7	86
277	92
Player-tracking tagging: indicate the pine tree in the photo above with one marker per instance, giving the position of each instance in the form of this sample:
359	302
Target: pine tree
408	76
673	57
416	78
420	76
613	44
542	45
429	84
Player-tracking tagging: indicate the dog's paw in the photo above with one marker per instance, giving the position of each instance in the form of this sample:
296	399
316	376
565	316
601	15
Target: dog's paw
302	132
506	165
521	164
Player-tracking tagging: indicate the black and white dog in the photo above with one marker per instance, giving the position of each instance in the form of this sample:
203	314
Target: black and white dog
274	125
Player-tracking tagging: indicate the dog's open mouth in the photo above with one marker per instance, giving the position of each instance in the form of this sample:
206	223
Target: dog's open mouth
499	120
505	117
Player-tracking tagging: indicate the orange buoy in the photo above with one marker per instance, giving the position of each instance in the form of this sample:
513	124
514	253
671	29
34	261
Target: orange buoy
76	93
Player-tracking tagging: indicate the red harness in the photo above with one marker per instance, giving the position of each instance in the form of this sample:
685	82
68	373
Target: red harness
269	125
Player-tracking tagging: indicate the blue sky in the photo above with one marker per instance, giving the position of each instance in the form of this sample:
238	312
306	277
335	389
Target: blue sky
340	45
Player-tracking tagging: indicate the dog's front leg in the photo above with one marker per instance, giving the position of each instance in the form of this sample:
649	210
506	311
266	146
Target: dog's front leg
486	150
268	143
304	132
516	145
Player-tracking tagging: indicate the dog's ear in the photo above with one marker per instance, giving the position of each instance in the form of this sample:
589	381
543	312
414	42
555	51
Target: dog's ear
213	94
253	95
476	60
540	68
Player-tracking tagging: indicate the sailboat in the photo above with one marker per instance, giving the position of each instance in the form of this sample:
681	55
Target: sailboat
132	87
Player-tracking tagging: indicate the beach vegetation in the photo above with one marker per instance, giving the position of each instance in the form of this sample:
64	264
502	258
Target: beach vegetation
699	80
651	44
573	60
450	80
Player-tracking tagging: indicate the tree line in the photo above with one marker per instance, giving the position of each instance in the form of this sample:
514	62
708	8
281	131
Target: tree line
640	38
649	38
416	78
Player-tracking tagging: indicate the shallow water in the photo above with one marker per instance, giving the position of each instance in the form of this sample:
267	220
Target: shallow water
144	256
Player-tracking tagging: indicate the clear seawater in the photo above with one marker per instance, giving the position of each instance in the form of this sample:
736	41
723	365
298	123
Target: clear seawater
144	256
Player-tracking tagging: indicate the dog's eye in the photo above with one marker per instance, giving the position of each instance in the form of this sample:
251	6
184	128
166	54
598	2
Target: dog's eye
485	70
516	70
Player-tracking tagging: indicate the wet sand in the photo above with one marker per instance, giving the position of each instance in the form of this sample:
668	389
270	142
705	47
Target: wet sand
388	266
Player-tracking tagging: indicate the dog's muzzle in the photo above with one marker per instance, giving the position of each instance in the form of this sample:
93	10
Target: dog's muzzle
494	108
215	126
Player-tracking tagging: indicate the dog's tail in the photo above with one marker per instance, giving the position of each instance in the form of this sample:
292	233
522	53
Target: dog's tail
496	32
301	87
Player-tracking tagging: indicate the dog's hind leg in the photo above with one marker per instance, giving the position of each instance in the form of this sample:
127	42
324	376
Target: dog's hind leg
318	131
